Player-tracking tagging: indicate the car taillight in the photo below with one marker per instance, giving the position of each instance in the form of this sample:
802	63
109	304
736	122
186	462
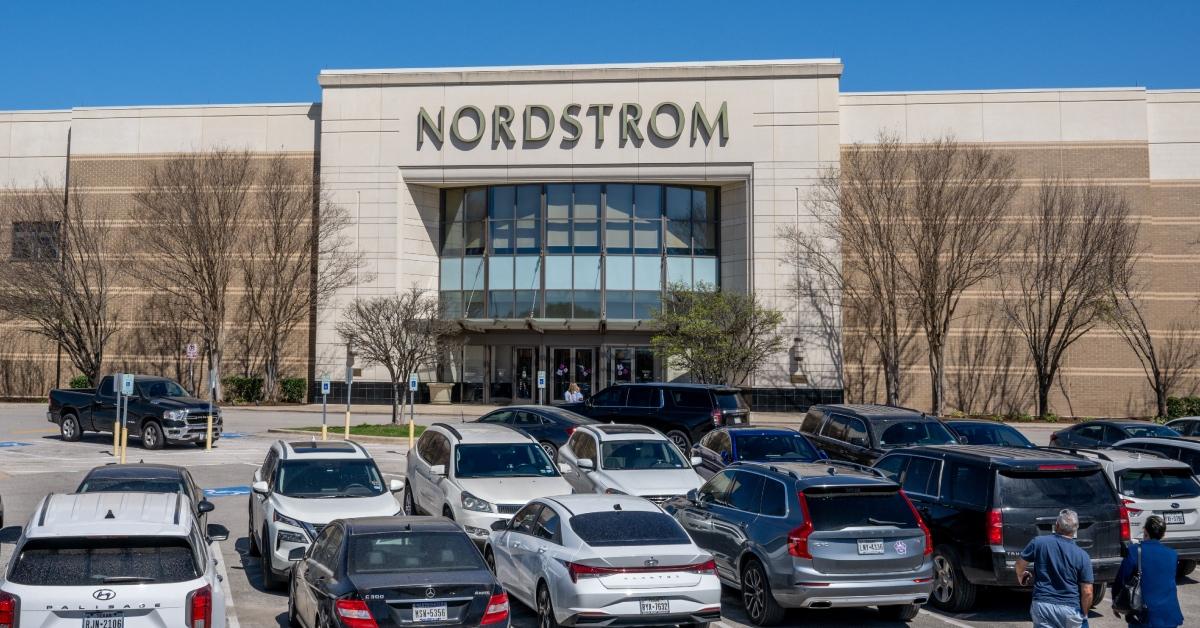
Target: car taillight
995	527
578	571
570	431
704	568
10	610
716	417
199	608
497	609
1125	536
797	540
1129	509
354	613
920	522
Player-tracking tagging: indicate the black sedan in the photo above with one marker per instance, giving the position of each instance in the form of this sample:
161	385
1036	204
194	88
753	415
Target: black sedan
551	426
979	432
393	571
1104	433
147	478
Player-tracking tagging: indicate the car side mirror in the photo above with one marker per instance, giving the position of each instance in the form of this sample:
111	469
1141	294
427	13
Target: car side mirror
696	461
586	464
261	487
396	486
693	495
564	467
438	469
499	525
205	506
297	554
216	532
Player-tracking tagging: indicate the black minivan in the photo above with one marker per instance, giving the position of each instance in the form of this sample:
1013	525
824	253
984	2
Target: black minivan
684	412
983	504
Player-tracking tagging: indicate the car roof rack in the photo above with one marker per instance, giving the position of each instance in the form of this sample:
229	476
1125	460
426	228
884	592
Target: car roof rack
1075	451
449	428
862	468
45	507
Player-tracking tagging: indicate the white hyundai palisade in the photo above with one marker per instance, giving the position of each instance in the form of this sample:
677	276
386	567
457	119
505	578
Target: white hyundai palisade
114	560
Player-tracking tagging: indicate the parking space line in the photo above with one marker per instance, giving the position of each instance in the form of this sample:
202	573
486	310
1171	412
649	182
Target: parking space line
947	620
231	618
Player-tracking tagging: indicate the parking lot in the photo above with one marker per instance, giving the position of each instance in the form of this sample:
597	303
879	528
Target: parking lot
34	461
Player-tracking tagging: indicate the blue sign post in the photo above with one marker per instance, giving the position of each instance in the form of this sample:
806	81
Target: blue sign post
324	398
541	384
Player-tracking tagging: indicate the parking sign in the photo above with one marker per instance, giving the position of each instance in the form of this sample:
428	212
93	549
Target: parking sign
541	379
412	382
192	351
127	384
324	384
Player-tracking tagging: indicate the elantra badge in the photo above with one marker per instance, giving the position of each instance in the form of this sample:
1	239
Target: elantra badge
104	594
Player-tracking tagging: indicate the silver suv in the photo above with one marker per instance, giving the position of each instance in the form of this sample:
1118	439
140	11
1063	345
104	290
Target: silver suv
811	535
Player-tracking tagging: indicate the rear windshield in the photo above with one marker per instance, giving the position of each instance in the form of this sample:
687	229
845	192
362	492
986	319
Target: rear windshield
985	434
775	447
1054	490
1157	483
905	433
131	485
413	551
630	527
837	510
730	401
1149	431
74	561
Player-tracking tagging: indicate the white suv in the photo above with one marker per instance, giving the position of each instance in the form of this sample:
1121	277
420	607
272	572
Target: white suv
114	560
1152	485
302	486
477	474
627	460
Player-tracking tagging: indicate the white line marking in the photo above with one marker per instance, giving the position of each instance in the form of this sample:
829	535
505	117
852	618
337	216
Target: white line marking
231	618
947	620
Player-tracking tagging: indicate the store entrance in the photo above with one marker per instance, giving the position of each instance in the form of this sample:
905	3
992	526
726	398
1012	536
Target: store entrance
572	364
513	372
632	365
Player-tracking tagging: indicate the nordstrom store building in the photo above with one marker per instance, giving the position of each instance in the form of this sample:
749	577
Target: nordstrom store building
549	206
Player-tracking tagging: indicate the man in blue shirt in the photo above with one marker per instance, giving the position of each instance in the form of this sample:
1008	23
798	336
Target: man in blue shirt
1062	576
1158	578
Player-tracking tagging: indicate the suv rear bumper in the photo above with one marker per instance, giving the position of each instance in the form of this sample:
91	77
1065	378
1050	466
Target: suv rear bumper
1187	547
1004	571
856	594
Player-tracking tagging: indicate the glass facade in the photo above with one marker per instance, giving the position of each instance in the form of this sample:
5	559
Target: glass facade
574	250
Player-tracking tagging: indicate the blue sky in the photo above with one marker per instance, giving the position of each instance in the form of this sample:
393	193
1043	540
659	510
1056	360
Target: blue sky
63	54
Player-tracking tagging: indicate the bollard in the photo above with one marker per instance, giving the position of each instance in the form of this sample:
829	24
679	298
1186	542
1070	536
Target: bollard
208	434
124	442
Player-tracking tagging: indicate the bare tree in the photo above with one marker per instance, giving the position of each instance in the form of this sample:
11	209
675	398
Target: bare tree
1079	242
855	245
191	227
1167	355
58	277
403	333
301	258
988	379
954	232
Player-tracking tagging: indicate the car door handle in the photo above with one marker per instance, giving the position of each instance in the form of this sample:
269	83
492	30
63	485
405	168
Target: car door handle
541	550
516	545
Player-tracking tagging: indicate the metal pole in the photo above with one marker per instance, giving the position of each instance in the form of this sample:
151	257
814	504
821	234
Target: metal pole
411	418
324	432
212	392
349	383
116	426
125	430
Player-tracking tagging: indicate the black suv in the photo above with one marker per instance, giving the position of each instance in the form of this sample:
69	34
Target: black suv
862	433
983	505
684	412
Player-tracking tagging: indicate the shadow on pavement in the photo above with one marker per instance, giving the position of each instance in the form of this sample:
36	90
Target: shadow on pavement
252	566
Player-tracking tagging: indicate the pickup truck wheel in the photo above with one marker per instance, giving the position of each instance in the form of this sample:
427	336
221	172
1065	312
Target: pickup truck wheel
152	436
69	428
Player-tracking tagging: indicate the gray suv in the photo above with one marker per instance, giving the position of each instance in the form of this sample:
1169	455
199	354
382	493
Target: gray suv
811	535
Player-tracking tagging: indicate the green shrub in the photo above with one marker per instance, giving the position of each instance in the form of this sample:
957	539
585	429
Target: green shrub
1182	406
80	381
293	389
242	389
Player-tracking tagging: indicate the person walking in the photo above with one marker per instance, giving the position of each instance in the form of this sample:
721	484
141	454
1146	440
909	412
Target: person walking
1158	563
1061	578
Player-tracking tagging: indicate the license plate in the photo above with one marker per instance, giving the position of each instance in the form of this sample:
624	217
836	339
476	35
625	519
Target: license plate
870	546
655	607
107	619
426	611
1174	518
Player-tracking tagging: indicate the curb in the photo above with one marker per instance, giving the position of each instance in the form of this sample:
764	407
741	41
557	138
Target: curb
378	440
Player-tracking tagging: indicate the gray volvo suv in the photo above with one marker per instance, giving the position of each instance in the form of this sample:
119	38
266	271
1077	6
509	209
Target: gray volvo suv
811	535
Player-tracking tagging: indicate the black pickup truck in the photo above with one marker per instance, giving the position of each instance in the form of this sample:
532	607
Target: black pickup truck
160	412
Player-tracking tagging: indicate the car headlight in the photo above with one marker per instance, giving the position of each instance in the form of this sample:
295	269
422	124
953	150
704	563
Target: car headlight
287	536
288	520
471	502
174	415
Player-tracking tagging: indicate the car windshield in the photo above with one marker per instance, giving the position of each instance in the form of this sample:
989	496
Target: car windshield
132	485
990	434
780	447
640	455
86	561
403	552
161	388
1158	483
513	460
352	477
905	433
1150	431
628	527
1054	490
836	510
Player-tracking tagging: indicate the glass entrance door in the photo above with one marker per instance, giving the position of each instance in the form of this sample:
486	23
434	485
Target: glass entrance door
572	364
523	373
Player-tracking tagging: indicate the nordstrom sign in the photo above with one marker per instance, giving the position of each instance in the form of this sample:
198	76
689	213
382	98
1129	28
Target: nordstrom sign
665	122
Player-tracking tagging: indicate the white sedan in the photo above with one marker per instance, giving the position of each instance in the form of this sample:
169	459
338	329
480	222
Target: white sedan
592	559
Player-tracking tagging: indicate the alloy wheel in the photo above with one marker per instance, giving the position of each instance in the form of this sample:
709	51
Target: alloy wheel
943	582
550	451
680	441
752	594
68	428
544	610
150	436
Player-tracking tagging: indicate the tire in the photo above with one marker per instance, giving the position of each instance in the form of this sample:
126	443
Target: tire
1185	568
1098	593
410	505
550	450
69	428
152	436
293	621
270	581
899	612
681	441
489	557
757	598
254	549
545	608
951	590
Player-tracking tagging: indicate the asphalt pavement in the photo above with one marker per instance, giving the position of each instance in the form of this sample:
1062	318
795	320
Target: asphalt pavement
34	461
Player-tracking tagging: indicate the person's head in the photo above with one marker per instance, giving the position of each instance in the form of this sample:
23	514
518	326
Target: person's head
1067	523
573	387
1155	528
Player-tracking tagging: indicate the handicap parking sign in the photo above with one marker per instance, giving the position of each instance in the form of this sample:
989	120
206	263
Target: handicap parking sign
227	491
